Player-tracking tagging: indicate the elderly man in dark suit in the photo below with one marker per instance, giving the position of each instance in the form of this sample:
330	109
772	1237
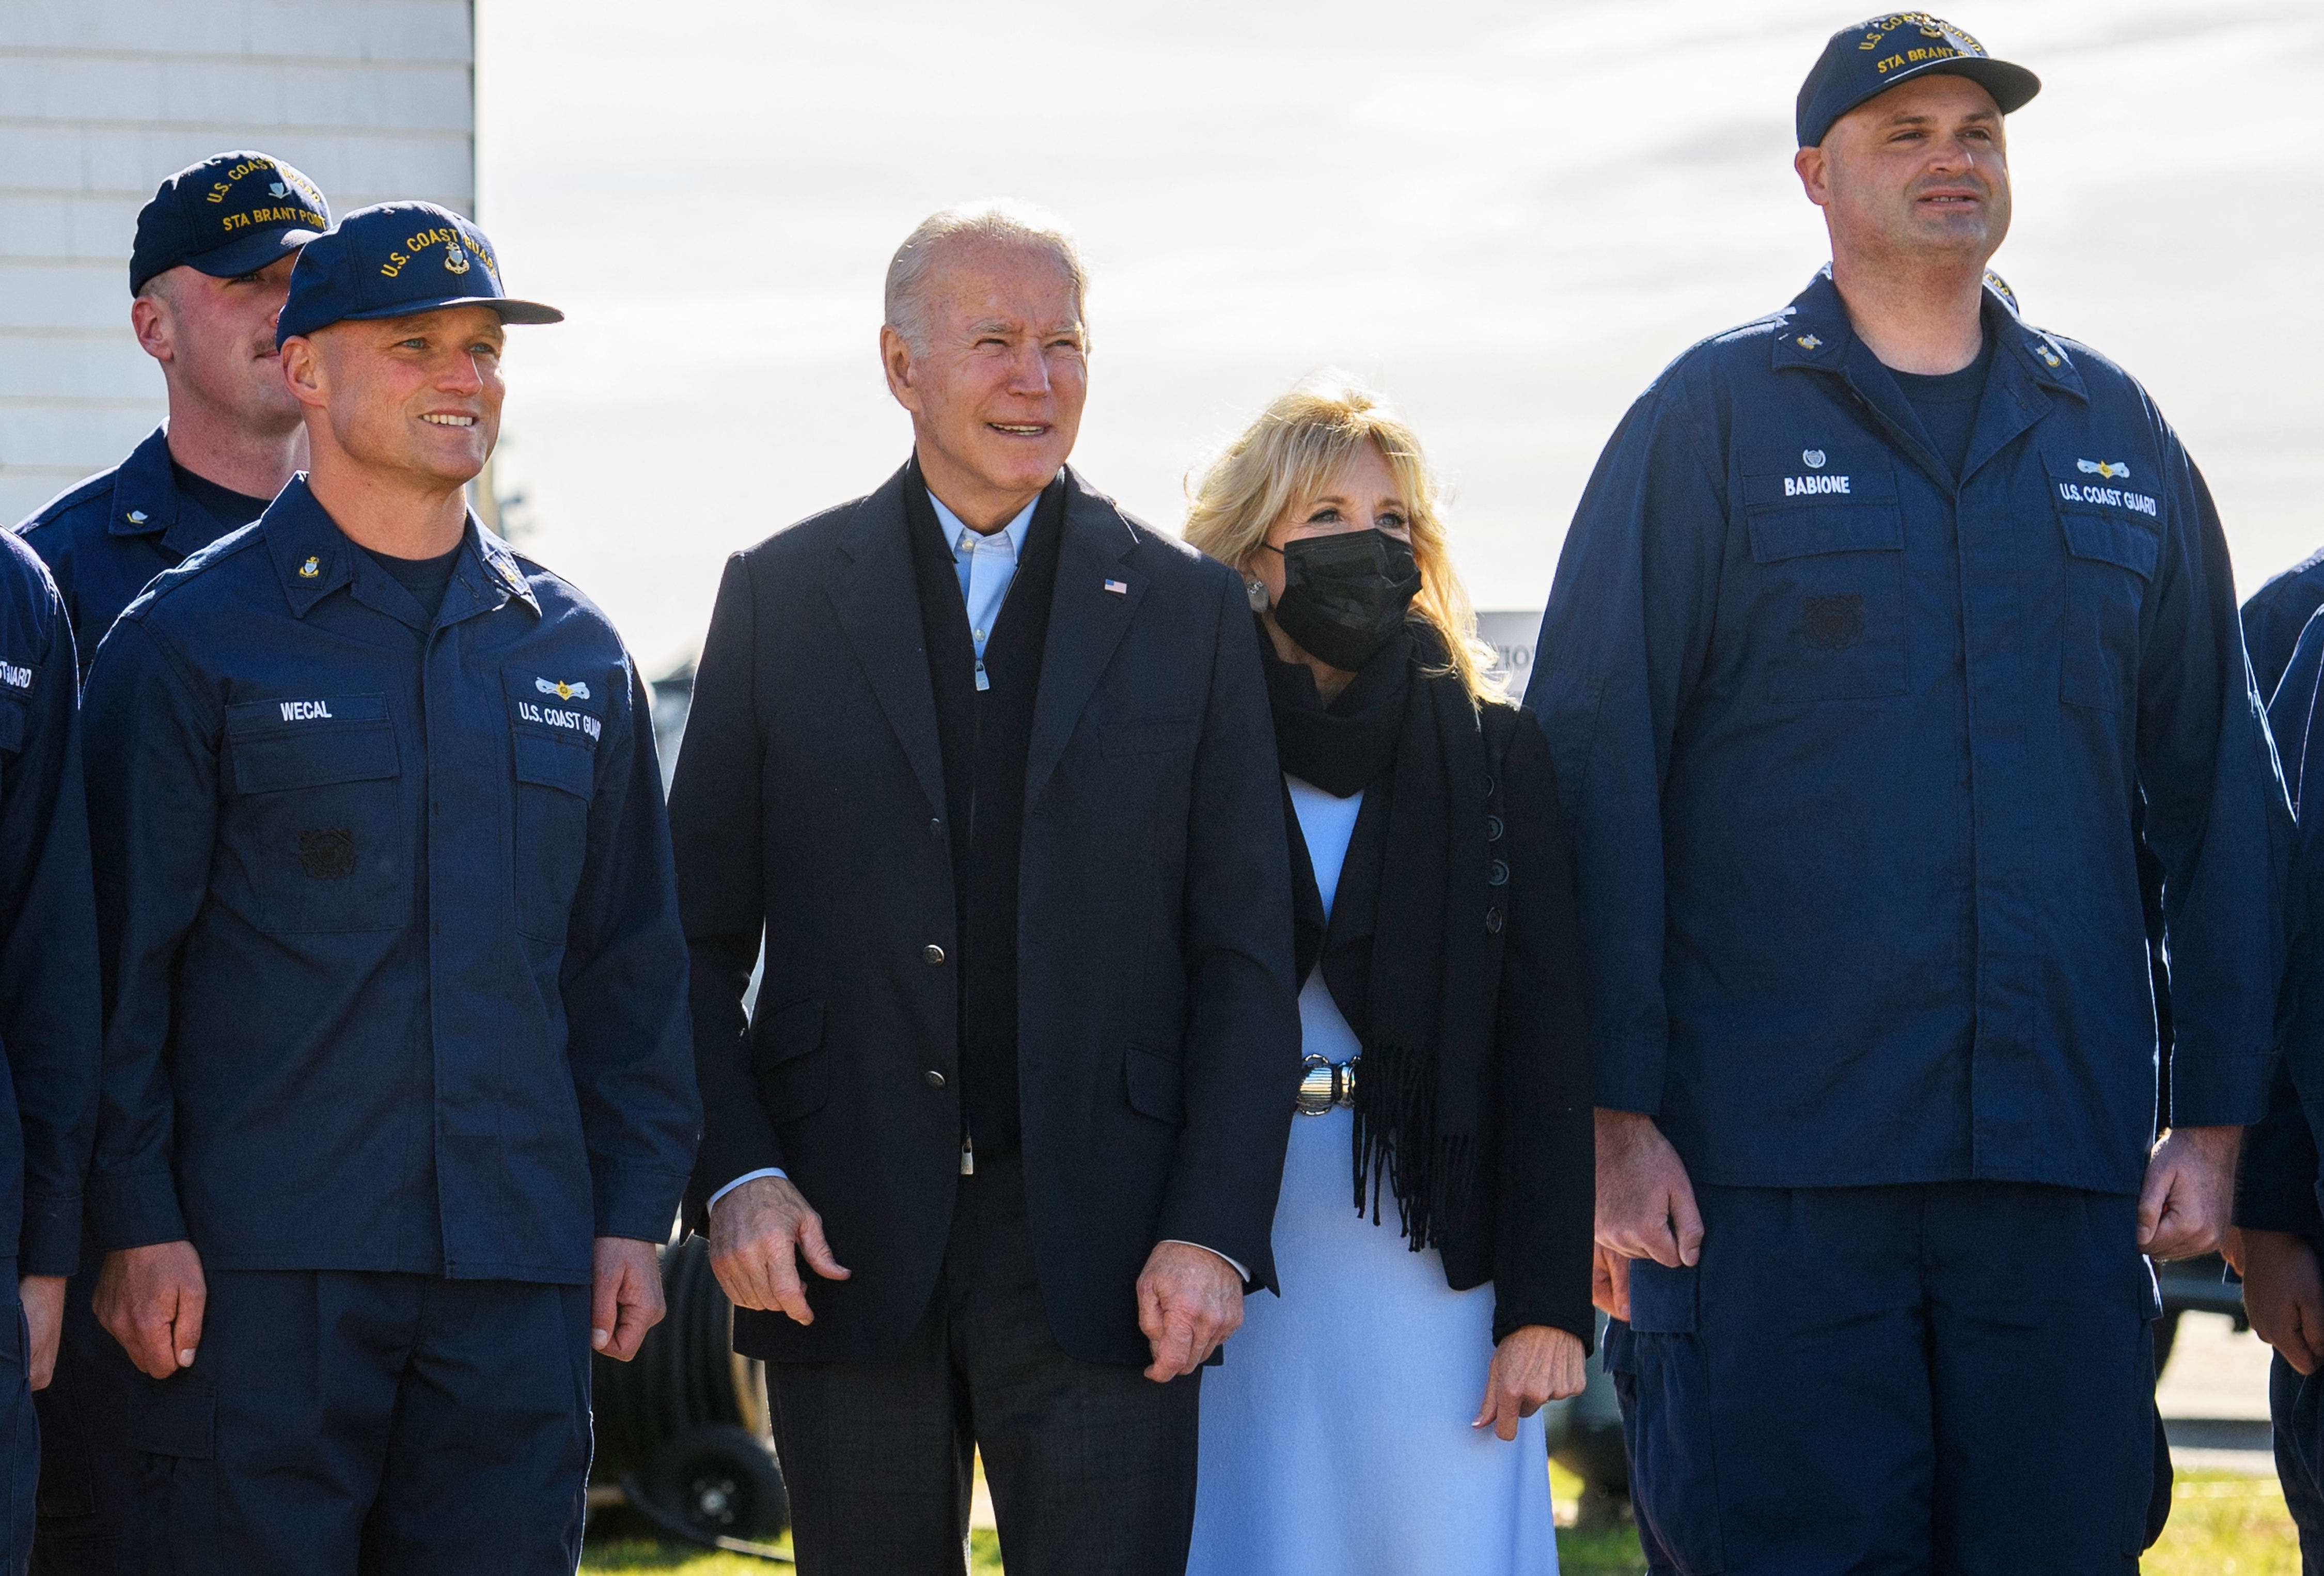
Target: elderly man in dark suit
985	765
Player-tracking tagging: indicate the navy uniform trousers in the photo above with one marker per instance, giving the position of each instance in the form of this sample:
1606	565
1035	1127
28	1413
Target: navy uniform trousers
362	1421
20	1427
1853	1378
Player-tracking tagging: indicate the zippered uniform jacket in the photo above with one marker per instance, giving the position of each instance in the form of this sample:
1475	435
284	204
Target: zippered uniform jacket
1853	747
397	980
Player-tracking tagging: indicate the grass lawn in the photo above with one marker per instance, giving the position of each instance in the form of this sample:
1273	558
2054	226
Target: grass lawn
2221	1524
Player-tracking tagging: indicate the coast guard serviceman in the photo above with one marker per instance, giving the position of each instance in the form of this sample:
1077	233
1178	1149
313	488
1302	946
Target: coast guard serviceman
49	1053
399	1099
207	274
1876	618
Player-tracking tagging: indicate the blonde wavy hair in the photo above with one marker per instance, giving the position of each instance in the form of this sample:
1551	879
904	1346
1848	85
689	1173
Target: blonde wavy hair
1293	451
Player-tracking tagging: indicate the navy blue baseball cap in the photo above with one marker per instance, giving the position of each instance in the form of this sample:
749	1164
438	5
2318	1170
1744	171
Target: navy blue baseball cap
1864	61
393	261
230	215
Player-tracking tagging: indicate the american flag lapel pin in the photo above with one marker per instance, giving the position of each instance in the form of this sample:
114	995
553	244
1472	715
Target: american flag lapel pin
1119	587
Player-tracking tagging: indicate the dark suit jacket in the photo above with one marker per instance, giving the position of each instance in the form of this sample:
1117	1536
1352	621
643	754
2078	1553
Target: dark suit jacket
1158	1033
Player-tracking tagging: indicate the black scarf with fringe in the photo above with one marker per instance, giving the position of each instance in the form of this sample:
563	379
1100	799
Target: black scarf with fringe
1418	996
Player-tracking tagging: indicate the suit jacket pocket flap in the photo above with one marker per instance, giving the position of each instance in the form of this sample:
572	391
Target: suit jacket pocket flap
552	763
1152	1082
1149	738
783	1034
176	1416
1662	1301
2114	541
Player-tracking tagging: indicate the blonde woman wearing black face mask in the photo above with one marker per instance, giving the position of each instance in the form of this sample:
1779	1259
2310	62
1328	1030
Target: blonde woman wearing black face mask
1434	1233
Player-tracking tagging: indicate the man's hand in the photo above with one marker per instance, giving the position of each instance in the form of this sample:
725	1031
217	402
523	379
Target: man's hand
44	1297
1189	1300
758	1234
1609	1282
1531	1367
2283	1292
1646	1205
2188	1200
624	1295
150	1300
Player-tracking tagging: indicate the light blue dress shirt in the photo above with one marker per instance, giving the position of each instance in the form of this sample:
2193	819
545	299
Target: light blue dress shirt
987	563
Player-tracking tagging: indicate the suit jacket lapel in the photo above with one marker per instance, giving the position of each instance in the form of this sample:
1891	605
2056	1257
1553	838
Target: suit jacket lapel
1086	622
873	592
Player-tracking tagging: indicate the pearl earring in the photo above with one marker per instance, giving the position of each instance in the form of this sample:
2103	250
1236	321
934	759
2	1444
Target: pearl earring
1256	590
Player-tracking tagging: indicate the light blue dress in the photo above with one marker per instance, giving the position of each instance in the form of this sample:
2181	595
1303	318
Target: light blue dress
1336	1438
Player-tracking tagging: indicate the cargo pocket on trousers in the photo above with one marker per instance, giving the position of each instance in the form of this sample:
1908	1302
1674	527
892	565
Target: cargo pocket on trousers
173	1429
1673	1483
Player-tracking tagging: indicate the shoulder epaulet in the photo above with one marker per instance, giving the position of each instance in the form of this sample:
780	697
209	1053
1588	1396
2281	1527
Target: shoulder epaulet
179	576
80	492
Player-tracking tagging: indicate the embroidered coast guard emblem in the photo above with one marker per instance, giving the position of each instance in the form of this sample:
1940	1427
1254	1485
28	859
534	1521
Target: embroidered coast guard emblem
1809	342
455	260
278	189
1812	458
2110	469
137	517
561	690
311	568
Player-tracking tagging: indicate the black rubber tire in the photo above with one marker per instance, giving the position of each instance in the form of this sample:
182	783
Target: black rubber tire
721	1479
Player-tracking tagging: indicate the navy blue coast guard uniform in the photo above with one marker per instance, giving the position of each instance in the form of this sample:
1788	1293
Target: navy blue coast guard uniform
1854	743
106	538
48	996
103	539
398	1028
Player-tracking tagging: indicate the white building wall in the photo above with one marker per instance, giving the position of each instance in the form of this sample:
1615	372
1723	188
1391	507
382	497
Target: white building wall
99	99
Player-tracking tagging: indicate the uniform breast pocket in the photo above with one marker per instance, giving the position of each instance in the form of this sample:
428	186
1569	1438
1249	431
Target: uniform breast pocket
1823	608
317	818
2112	551
554	784
12	723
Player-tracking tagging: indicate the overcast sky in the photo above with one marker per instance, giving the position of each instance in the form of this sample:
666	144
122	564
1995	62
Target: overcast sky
1508	218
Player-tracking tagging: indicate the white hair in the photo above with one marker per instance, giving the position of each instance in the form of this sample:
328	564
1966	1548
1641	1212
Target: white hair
994	220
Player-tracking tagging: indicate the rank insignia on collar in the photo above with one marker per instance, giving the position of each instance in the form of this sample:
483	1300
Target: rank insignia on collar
561	690
2108	469
137	517
311	569
1810	341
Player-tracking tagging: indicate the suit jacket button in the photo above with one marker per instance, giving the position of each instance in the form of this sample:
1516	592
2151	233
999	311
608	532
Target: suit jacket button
932	953
935	830
934	1078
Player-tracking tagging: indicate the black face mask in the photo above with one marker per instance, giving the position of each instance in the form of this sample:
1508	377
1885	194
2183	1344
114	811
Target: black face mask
1345	595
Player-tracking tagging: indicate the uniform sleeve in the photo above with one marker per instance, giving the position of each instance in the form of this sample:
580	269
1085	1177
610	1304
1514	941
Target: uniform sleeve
1241	1057
1546	1143
2216	819
49	1014
715	813
1626	634
625	989
152	763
